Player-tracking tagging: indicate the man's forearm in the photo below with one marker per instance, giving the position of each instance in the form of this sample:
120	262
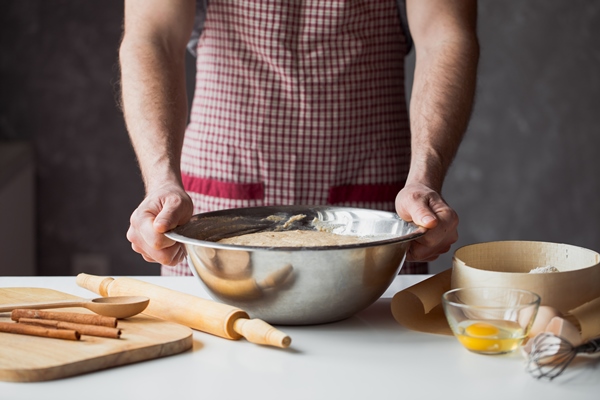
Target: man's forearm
152	59
155	108
447	53
441	103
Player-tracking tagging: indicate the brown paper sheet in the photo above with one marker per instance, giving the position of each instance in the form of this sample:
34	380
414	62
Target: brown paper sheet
419	307
588	316
575	290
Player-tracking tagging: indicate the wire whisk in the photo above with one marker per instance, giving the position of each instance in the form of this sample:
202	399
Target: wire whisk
550	354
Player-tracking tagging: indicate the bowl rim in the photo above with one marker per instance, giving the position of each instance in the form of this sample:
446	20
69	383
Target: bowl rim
418	232
494	247
535	302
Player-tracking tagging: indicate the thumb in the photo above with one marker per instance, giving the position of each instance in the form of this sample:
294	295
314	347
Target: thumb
426	218
170	216
420	213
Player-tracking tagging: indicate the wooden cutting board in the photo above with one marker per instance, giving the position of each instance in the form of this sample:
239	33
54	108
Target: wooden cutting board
26	358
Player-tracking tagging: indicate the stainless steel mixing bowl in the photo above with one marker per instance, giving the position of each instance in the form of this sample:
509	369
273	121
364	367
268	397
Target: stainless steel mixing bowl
297	285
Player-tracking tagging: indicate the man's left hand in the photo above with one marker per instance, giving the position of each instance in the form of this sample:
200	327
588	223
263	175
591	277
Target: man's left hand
425	207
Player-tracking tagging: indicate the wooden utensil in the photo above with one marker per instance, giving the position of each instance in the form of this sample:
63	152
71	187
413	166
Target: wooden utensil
117	307
204	315
25	358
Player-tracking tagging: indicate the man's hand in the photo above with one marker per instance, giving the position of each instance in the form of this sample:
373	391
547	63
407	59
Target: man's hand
447	53
419	204
152	60
162	210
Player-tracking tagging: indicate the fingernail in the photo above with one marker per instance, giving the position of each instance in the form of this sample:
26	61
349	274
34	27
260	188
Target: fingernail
427	219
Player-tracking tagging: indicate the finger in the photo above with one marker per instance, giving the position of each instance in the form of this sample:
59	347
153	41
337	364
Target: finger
436	241
141	231
418	207
425	253
145	256
164	255
149	259
173	213
422	214
137	245
149	237
169	256
149	241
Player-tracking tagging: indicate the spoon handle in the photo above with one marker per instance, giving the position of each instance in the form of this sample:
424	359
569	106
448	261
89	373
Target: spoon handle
56	304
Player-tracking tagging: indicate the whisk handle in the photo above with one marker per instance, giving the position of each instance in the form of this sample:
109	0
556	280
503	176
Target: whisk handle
591	346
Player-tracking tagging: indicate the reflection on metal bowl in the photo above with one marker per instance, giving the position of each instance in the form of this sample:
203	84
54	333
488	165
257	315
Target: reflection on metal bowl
297	285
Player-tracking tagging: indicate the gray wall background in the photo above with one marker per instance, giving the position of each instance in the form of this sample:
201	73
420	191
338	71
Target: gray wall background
527	169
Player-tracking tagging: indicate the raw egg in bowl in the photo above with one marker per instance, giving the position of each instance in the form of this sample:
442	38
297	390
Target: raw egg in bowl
490	320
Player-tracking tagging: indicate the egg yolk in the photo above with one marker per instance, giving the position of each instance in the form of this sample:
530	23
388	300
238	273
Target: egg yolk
484	337
481	337
481	329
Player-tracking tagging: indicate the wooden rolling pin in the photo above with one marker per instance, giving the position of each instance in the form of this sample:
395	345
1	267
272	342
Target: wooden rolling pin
204	315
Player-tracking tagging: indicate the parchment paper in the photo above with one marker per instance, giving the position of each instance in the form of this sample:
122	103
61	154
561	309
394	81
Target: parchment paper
588	316
419	307
574	290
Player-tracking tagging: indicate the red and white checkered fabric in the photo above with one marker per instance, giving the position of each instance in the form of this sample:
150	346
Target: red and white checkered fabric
297	103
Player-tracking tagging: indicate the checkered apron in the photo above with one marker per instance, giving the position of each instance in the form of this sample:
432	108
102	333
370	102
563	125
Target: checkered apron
297	103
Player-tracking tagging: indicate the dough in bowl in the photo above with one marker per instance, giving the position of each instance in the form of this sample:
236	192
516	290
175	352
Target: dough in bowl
293	238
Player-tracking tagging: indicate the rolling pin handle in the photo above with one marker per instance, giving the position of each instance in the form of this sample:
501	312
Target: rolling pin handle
97	284
259	332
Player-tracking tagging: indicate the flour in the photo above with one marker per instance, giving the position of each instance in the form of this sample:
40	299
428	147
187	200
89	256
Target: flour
544	270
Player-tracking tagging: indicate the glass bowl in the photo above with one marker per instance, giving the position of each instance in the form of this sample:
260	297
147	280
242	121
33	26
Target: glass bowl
490	320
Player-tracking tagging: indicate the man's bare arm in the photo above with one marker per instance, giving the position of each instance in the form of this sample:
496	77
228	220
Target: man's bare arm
447	53
152	60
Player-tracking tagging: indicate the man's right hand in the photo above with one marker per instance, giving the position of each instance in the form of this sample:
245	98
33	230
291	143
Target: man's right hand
162	210
152	61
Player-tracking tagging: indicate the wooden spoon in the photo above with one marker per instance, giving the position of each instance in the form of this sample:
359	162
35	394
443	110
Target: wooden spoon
115	306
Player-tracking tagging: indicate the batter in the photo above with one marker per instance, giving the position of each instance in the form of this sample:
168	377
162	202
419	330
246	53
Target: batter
294	238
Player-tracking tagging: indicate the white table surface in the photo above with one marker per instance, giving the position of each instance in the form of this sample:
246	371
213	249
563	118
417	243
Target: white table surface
368	356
